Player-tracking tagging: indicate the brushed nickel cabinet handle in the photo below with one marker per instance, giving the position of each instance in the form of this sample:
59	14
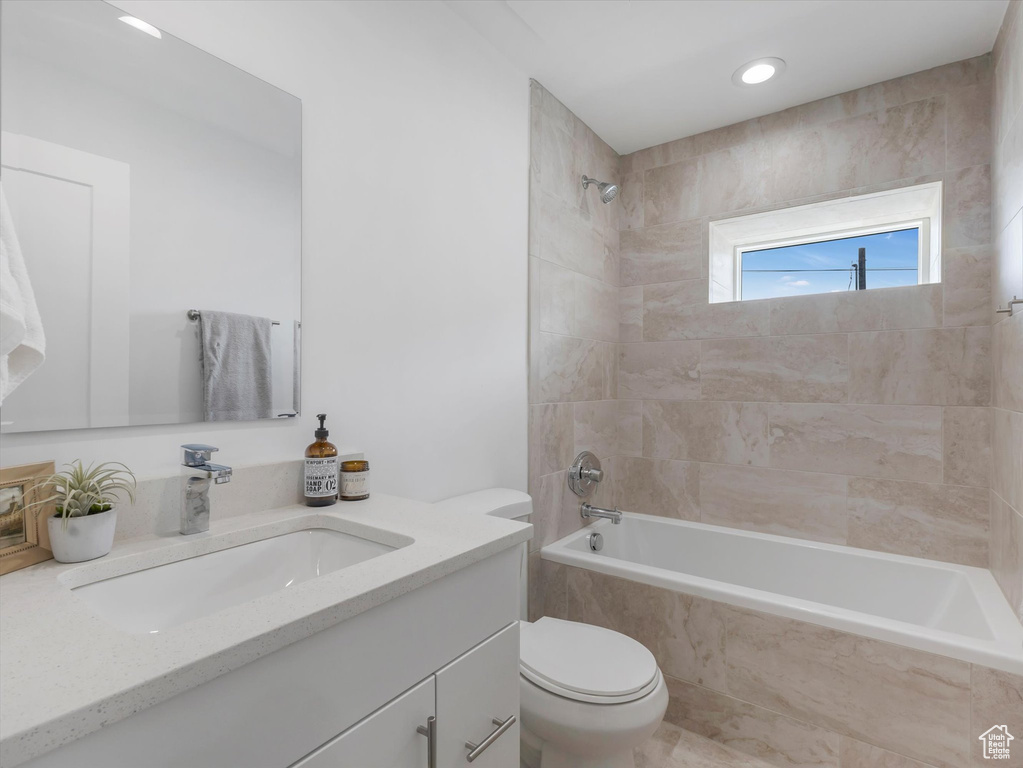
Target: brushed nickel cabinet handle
430	732
475	750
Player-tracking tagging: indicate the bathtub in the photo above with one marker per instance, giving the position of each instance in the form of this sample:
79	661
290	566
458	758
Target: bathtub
952	610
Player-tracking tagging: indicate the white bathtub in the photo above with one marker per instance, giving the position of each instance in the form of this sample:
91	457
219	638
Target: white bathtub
953	610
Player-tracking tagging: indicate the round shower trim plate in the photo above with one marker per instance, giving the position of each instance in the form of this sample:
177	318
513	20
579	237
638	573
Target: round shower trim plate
772	61
584	474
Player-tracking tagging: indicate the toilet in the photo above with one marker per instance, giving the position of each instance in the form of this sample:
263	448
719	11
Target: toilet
588	695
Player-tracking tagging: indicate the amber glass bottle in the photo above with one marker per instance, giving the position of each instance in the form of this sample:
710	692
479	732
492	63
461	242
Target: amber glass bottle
354	480
321	469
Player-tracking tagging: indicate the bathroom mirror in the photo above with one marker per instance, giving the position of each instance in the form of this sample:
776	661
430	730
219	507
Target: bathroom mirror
151	185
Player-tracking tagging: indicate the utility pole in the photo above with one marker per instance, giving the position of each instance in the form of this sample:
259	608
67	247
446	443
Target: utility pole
861	271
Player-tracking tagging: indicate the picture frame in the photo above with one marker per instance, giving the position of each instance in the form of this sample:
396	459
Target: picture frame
24	539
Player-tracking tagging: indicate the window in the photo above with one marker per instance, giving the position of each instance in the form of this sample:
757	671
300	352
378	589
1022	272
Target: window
854	262
879	240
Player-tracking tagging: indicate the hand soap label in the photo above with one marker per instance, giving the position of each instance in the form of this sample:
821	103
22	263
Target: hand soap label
321	477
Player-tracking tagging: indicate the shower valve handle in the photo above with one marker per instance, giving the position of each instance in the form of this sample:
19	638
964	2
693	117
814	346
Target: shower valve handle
584	474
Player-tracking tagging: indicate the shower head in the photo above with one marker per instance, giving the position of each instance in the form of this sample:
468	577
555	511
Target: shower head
608	191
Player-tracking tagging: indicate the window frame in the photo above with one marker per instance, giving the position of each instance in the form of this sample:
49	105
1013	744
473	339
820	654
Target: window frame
923	261
916	206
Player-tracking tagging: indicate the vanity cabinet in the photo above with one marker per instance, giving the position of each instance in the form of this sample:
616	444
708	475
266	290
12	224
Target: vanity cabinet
386	739
350	695
465	697
473	692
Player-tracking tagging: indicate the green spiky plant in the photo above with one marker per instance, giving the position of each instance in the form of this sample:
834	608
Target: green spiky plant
79	491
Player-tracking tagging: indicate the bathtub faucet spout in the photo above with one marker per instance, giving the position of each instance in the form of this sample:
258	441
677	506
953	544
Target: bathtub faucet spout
588	511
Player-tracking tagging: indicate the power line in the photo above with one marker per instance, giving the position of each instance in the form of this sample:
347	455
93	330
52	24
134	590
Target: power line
846	269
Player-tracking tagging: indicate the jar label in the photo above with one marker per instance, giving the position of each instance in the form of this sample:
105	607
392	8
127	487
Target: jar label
355	483
321	477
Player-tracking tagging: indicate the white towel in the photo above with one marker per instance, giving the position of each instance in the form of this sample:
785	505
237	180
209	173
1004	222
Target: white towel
236	368
22	342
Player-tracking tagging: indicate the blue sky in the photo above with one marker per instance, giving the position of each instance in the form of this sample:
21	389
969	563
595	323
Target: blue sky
886	249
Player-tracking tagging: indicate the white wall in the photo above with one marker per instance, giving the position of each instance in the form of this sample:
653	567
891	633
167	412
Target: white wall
414	241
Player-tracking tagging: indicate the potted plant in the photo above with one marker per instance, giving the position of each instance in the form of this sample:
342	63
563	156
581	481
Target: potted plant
83	526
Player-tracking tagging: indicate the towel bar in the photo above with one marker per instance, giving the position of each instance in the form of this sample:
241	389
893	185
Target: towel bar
193	314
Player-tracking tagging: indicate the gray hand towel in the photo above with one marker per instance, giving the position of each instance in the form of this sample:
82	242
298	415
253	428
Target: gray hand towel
237	375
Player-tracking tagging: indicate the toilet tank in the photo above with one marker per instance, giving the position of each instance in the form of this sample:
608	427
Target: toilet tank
499	502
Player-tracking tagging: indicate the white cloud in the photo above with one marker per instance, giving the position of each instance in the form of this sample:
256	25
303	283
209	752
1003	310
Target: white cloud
801	282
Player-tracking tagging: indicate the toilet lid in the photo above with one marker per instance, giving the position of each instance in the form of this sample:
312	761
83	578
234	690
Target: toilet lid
585	662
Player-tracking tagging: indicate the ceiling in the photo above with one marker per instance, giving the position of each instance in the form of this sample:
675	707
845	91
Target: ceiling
86	39
642	72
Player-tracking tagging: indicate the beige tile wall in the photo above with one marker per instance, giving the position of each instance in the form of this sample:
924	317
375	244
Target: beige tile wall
1006	544
795	694
860	418
890	419
573	305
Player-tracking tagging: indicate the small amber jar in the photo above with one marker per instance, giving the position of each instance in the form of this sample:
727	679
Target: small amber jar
354	480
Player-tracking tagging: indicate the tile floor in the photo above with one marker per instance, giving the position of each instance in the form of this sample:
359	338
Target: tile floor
673	747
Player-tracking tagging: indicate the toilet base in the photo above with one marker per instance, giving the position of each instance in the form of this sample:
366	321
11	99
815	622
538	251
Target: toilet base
536	755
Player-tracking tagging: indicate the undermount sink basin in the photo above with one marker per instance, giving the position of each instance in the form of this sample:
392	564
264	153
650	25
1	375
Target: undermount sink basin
168	595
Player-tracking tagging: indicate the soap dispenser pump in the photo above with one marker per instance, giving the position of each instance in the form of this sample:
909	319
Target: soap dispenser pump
321	469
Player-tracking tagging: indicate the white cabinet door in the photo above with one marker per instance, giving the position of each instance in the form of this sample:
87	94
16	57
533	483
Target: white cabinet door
386	739
472	692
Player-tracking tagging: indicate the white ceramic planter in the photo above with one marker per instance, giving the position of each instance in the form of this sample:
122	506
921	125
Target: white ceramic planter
83	538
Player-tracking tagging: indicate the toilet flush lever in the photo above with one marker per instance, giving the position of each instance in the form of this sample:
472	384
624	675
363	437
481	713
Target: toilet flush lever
1009	306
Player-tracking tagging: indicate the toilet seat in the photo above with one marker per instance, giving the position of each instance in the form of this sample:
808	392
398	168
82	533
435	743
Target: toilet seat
586	663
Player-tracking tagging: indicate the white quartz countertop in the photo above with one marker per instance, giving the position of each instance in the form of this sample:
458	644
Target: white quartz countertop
65	672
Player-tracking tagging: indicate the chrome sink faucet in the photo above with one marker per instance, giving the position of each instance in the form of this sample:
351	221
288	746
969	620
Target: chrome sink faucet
195	503
588	511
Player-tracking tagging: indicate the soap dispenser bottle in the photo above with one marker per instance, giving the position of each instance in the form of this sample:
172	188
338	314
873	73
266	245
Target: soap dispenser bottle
321	469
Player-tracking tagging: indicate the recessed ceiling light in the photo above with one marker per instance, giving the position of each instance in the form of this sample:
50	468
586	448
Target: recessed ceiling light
758	71
149	29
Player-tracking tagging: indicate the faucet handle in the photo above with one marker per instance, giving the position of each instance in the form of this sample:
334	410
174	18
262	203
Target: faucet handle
196	454
584	474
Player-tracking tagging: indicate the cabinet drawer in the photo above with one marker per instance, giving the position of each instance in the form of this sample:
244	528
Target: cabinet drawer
474	690
386	739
